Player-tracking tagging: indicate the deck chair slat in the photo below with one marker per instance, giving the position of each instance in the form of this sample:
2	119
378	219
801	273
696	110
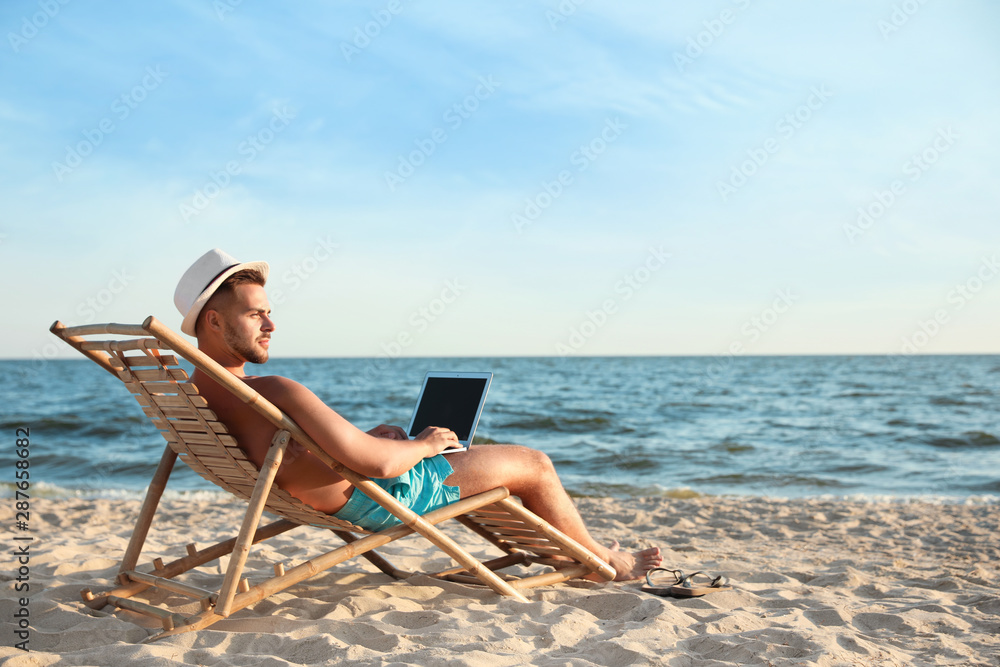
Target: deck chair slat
194	464
185	412
212	456
527	540
120	345
222	466
213	464
544	551
217	464
233	482
509	521
190	421
497	515
231	456
139	361
190	425
145	402
224	470
512	534
155	375
524	540
178	401
157	387
175	412
202	438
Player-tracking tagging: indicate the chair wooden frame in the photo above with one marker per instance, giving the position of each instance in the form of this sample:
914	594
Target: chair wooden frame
146	361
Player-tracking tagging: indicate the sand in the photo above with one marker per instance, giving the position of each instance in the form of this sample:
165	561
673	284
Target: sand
817	582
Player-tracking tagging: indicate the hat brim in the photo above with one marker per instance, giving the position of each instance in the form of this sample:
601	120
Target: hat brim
187	326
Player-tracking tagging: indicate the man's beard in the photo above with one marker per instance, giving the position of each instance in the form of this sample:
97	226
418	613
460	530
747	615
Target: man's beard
245	350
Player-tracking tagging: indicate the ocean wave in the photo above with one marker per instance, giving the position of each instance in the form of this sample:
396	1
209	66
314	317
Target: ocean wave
739	480
48	425
558	424
861	468
113	425
987	487
949	401
732	447
612	490
968	440
45	490
932	499
906	423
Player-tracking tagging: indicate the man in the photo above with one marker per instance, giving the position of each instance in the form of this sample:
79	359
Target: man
225	306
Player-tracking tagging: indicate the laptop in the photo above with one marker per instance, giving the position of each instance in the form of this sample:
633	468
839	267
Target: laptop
451	400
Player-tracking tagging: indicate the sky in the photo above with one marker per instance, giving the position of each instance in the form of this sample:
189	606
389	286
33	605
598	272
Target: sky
737	177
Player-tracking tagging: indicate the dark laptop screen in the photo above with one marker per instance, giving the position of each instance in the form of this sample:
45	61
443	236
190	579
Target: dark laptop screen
449	403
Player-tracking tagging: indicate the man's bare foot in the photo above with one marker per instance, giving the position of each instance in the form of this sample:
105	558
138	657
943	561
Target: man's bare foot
633	565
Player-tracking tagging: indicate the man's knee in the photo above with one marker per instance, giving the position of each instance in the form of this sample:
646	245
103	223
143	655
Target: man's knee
536	461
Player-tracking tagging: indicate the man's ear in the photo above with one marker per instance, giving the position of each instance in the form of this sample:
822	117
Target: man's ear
213	320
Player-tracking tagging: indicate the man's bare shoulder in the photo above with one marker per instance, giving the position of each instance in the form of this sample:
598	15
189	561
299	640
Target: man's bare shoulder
283	392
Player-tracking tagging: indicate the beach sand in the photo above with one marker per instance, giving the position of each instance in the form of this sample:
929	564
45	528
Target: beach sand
819	582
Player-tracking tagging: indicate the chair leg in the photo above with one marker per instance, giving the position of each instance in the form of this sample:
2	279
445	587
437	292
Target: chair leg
149	505
251	519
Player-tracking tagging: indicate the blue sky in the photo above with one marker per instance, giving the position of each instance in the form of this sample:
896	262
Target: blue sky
523	178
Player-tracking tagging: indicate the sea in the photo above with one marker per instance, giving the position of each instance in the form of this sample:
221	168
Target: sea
866	427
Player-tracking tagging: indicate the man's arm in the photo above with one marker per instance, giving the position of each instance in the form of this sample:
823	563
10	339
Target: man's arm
390	432
359	451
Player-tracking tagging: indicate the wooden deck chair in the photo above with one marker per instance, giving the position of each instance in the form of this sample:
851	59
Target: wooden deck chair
144	357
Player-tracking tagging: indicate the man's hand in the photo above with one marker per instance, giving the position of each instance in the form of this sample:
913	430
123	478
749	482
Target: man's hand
439	439
388	432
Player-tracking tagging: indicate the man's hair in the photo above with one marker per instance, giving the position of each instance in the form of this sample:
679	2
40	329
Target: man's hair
244	277
225	290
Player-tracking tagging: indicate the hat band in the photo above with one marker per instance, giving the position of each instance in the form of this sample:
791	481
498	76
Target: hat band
216	277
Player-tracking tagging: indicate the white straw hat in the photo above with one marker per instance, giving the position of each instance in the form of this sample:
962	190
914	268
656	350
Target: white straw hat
199	283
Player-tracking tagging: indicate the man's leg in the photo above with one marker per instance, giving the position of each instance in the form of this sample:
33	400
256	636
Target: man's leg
530	475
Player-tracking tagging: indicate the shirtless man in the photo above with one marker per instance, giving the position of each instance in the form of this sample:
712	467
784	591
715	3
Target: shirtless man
225	305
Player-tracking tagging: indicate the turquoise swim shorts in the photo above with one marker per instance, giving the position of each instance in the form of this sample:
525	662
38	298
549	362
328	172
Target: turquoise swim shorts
421	489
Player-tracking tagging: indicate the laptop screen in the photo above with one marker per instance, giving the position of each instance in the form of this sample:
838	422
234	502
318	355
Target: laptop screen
450	402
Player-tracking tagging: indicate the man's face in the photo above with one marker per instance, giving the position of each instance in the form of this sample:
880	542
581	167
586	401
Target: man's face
247	324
